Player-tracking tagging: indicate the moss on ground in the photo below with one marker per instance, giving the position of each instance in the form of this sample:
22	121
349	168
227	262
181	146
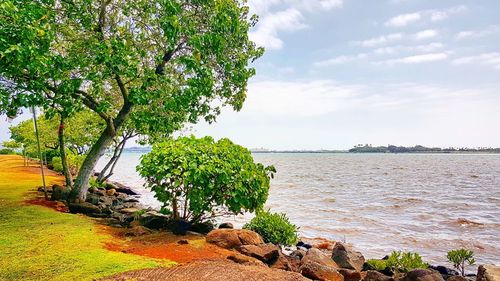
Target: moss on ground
38	243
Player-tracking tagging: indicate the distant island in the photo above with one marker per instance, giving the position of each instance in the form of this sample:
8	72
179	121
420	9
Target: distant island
363	148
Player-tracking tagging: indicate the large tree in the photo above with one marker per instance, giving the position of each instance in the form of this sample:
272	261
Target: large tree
154	63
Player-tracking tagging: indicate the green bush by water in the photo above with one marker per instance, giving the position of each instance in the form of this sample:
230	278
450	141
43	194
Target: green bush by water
274	228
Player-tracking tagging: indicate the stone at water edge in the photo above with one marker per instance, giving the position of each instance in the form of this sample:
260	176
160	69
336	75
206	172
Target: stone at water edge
154	220
267	253
84	208
350	274
245	260
488	273
422	275
320	272
373	275
317	256
226	225
457	278
111	192
347	258
233	238
286	263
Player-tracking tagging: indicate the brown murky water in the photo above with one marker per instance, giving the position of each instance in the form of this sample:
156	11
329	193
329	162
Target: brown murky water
429	203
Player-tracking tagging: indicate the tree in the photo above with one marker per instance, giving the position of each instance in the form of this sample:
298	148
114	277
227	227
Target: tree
460	257
156	64
197	179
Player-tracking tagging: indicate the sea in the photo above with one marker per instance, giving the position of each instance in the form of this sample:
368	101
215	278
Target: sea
378	203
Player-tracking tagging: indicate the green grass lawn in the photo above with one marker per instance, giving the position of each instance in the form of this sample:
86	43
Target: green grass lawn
38	243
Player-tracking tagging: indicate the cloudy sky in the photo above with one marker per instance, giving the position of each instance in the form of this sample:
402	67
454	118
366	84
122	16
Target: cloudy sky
341	72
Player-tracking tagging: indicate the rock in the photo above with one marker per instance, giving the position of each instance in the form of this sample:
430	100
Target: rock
137	231
303	245
84	208
456	278
178	227
202	227
154	220
443	270
59	193
422	275
317	256
93	198
320	272
183	242
233	238
106	200
111	192
129	210
122	188
245	260
226	225
298	254
350	274
373	275
101	191
284	263
347	258
488	273
267	253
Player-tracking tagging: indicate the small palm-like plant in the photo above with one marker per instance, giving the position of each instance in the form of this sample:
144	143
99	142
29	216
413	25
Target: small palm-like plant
460	257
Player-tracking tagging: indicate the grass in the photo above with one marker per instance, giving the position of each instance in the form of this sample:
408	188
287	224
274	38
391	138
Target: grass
38	243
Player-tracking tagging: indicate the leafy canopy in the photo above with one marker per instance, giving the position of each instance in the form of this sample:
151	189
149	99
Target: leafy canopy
198	179
274	228
158	62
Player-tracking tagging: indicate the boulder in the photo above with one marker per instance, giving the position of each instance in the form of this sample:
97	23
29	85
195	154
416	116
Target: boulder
285	263
267	253
202	227
59	193
347	258
111	192
317	256
303	245
178	227
154	220
93	198
444	271
226	225
300	253
456	278
488	273
320	272
350	274
422	275
137	231
373	275
233	238
84	208
129	210
245	260
121	188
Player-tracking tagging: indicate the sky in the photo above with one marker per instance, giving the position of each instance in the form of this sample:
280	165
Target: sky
337	73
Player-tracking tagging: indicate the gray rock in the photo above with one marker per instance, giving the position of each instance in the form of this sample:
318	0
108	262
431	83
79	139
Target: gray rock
347	258
226	225
59	193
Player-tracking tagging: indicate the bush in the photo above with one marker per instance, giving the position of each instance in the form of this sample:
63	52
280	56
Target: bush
274	228
405	261
378	265
74	163
459	257
198	179
5	151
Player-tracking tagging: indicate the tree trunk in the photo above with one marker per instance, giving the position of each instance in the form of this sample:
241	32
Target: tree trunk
80	187
62	151
112	162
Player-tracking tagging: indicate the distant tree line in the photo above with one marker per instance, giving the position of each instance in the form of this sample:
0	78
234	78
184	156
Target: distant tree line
368	148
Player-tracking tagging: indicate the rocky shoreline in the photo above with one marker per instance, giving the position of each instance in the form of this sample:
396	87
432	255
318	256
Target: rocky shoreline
321	259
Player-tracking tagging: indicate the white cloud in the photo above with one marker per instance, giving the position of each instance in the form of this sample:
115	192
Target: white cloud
429	15
381	40
426	34
417	59
288	18
340	60
403	20
427	48
489	59
266	34
467	34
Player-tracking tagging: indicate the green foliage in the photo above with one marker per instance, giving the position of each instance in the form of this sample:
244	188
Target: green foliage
74	163
274	228
198	179
378	265
4	151
460	257
405	261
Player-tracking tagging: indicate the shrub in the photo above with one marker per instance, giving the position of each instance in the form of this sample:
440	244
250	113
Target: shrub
274	228
460	257
198	179
378	265
74	163
5	151
405	261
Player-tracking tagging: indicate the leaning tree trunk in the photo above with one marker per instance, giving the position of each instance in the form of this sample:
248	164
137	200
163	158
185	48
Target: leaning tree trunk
79	191
62	151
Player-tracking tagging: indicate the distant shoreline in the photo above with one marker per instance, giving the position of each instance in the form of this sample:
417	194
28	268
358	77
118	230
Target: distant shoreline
146	150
